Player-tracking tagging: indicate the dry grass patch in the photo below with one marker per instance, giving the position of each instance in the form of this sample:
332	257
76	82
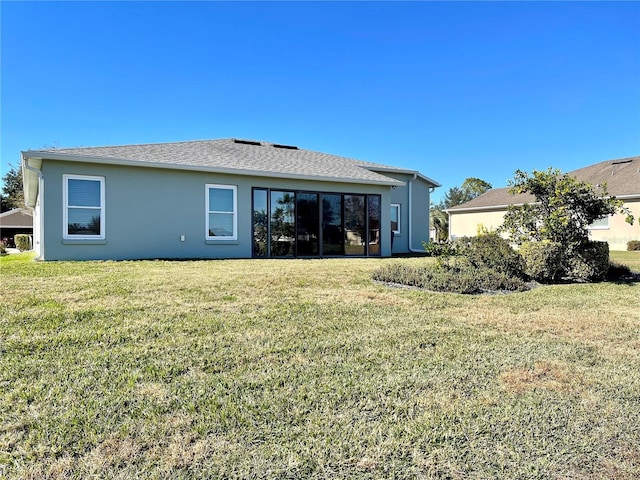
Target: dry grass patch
544	375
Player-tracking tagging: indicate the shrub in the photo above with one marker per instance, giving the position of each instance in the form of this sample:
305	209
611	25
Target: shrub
617	271
543	260
440	249
494	252
3	248
589	263
633	245
22	241
456	275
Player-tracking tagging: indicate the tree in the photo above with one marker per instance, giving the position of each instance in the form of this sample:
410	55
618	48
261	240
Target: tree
471	188
12	195
563	210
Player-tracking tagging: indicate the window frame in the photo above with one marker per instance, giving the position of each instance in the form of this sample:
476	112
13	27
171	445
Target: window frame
65	207
208	212
397	207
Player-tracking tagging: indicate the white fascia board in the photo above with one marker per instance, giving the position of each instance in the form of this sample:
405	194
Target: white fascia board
203	168
30	178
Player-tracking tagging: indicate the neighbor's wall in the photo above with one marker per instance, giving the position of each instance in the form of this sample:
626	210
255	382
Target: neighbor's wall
619	231
617	234
148	209
467	224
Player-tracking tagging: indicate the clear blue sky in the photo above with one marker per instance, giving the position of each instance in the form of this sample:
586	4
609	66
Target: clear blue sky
452	89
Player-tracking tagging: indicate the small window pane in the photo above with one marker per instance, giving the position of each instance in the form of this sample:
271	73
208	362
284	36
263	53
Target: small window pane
83	193
600	223
83	221
220	224
395	218
220	200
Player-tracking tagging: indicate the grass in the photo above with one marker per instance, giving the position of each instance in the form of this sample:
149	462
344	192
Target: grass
309	369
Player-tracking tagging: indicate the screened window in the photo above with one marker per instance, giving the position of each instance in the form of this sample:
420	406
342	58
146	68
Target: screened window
395	218
83	207
222	219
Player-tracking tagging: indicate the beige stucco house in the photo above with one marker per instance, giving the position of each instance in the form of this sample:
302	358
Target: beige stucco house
622	177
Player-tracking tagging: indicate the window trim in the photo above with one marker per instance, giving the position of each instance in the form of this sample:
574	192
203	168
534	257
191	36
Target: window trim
65	207
208	212
397	207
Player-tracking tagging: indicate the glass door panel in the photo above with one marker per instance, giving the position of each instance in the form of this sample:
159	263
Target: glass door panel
332	234
282	219
308	224
355	226
374	224
260	224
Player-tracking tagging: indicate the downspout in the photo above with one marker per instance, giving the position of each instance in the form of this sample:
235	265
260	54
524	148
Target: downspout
40	213
411	249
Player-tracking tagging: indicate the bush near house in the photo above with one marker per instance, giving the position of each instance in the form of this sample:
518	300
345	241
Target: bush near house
589	263
22	241
542	260
492	251
633	245
441	249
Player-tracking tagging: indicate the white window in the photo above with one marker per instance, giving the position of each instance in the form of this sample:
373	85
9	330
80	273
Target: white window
222	218
600	224
83	209
395	218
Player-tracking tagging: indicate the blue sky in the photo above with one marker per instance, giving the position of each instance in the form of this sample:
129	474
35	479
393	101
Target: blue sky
453	89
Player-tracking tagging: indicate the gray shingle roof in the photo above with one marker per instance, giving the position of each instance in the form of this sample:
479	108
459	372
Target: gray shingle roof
622	177
233	156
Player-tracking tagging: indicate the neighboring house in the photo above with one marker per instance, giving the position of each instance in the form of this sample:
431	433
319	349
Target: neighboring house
220	199
14	222
621	176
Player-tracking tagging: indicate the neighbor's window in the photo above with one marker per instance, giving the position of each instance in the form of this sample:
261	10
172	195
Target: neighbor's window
83	207
600	224
395	218
222	221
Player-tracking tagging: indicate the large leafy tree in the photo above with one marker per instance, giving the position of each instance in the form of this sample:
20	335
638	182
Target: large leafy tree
471	188
12	195
563	210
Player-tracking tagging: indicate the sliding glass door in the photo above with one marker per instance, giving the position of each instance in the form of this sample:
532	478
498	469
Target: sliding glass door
312	224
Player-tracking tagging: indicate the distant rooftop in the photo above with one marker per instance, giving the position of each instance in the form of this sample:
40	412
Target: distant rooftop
622	177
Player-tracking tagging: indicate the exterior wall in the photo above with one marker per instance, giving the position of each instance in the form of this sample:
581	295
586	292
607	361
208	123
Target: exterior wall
619	231
617	234
418	225
467	224
147	210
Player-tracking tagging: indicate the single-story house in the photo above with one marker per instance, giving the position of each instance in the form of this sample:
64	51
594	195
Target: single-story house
14	222
225	198
621	176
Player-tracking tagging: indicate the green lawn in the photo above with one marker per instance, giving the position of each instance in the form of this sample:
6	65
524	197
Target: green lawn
308	369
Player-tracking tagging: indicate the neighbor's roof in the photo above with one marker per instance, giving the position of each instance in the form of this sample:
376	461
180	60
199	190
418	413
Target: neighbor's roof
244	157
16	218
622	177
